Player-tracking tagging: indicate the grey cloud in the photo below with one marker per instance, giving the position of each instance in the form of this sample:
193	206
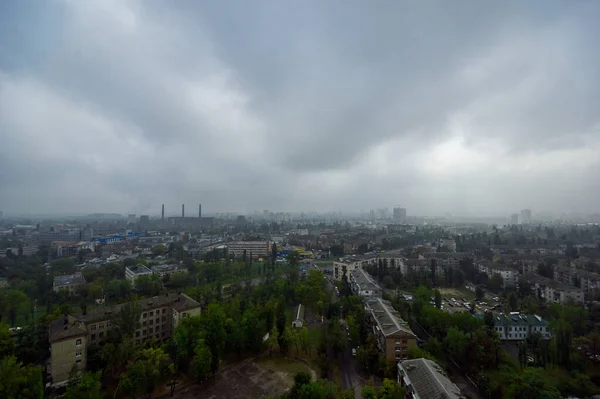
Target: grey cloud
294	105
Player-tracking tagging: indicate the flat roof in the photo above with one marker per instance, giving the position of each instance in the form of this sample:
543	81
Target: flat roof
69	279
139	269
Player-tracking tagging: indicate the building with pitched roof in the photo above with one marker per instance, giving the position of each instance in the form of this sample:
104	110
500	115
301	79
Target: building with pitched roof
393	335
518	327
363	284
425	379
70	336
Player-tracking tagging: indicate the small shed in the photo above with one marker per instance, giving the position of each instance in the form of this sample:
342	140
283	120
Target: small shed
298	317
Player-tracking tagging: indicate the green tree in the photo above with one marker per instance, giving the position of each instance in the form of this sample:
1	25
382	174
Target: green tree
513	302
438	298
479	293
273	340
368	392
391	390
18	381
456	344
7	344
495	283
14	302
532	384
128	319
158	249
88	386
202	361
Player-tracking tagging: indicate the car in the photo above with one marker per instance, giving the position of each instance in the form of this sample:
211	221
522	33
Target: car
353	351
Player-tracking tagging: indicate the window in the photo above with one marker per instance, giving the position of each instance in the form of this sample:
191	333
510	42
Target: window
398	356
101	327
78	354
157	320
108	324
93	337
93	327
144	324
150	330
78	361
164	311
151	322
145	315
184	315
151	313
78	342
137	333
101	335
157	328
403	341
164	319
163	334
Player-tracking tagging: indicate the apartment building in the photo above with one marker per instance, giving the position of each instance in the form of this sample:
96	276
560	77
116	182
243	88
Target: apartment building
555	291
65	249
343	268
363	284
393	335
509	274
424	379
69	283
256	249
164	270
71	335
517	327
447	242
133	272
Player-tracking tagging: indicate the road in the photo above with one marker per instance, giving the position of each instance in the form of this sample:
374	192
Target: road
349	375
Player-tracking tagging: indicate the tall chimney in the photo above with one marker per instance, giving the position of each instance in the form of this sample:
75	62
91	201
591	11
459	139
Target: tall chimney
162	217
182	211
199	211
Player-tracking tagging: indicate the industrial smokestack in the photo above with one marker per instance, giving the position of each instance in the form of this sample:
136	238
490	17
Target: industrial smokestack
199	211
162	215
182	211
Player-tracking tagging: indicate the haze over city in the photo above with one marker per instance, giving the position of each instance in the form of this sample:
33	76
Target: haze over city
459	107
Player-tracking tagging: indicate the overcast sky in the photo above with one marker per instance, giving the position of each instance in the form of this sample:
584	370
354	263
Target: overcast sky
467	107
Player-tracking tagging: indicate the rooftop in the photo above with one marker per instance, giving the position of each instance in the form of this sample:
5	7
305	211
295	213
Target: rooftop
166	268
364	280
69	279
387	318
429	380
179	302
65	327
139	269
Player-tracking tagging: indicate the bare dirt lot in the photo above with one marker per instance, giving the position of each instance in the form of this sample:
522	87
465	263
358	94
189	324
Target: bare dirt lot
260	378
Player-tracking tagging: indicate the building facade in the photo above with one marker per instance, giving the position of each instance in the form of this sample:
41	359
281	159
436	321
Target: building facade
133	272
70	336
256	249
393	335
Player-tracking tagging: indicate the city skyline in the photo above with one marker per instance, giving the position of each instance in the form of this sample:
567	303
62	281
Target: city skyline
465	108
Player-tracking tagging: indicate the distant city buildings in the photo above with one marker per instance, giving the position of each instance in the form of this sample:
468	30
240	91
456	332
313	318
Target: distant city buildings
399	215
447	242
254	249
514	218
526	216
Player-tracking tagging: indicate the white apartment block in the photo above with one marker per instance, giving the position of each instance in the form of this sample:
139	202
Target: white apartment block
509	275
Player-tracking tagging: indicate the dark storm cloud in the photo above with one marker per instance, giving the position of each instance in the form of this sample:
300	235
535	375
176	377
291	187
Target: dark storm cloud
441	106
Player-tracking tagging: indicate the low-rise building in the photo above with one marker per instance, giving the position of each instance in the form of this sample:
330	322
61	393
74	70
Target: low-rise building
555	291
425	379
69	283
447	242
393	335
363	284
133	272
517	327
164	270
510	275
71	335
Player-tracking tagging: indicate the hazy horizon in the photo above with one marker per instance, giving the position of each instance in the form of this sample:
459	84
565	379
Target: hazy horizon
463	107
